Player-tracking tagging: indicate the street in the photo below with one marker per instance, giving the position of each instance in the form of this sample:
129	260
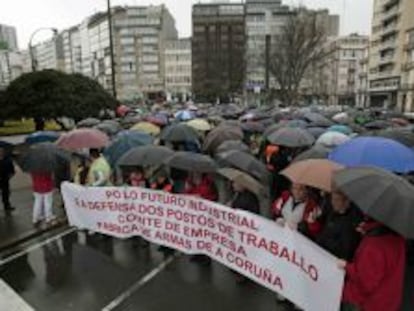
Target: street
77	271
81	272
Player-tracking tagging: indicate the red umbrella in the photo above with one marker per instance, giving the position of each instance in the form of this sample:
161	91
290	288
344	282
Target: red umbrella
83	138
122	110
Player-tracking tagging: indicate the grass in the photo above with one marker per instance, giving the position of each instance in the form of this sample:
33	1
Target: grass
24	126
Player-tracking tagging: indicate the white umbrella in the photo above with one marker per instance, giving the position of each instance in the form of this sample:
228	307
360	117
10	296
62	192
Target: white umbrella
332	139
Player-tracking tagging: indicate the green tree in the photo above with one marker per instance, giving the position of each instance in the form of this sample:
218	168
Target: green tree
50	94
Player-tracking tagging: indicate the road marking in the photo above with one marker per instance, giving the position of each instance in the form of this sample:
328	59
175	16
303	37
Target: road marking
36	246
140	283
10	300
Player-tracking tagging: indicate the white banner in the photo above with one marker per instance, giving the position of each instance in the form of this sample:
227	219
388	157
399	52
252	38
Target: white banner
276	257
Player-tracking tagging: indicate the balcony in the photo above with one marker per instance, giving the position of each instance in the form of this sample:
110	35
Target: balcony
389	30
391	13
386	60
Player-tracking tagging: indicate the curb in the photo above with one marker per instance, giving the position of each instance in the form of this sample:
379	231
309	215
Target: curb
31	234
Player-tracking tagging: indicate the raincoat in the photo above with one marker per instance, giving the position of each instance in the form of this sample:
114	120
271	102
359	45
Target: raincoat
99	173
375	279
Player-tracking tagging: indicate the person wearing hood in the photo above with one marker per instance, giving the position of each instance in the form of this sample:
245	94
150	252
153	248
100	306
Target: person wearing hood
374	279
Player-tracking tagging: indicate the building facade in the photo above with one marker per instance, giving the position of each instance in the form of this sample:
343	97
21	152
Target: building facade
265	20
344	68
178	69
8	38
11	67
139	35
391	54
218	49
49	54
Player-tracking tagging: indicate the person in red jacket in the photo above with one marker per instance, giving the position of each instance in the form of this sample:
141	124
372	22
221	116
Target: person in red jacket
374	280
201	185
297	209
43	197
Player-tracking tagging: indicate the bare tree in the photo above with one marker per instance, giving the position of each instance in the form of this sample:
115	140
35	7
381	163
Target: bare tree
299	46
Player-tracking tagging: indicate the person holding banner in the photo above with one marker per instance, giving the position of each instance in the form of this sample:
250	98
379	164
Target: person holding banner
201	185
297	209
339	234
163	183
247	201
374	279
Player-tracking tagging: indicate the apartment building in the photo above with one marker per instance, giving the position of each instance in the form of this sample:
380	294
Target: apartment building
345	69
8	38
218	49
178	68
390	72
265	20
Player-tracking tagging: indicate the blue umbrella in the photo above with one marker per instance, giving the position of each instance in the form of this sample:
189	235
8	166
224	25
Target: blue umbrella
375	151
341	129
41	137
123	142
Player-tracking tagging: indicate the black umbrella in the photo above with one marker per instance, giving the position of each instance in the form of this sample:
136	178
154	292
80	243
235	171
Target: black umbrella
43	157
404	136
252	127
381	195
316	152
245	162
291	137
89	122
232	145
316	131
317	120
190	161
378	125
219	135
145	156
179	133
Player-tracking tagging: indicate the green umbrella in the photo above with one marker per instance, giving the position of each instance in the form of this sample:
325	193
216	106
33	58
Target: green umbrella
381	195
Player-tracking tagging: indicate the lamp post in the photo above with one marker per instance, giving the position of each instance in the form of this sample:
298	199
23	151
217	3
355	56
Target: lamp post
111	48
32	56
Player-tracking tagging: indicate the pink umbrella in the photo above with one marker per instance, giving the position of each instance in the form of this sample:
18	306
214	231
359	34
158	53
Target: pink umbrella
122	110
83	138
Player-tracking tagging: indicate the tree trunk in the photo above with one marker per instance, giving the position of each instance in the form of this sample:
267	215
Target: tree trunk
39	124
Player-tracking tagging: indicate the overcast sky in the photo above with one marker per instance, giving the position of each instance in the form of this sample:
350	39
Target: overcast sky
28	15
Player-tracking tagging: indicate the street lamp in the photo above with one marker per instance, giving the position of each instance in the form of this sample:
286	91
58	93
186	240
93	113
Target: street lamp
32	56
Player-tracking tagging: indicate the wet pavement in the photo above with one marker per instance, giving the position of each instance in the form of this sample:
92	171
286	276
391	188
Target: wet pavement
72	270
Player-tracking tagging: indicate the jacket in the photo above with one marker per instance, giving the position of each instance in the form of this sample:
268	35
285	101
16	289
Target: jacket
310	229
204	190
246	201
375	279
42	182
166	186
6	169
339	235
99	173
